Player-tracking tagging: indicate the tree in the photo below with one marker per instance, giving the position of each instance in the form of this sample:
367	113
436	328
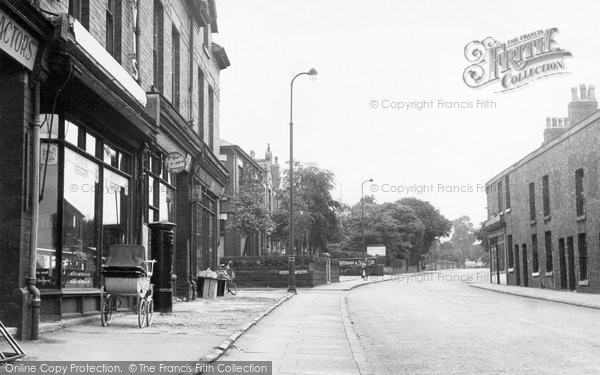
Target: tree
463	243
315	210
436	226
394	225
249	213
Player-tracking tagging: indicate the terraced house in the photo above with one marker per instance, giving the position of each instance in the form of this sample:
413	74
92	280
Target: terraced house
109	114
543	227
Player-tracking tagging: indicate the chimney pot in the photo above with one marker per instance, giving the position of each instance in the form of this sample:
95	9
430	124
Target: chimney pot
560	122
548	122
583	90
554	122
591	92
566	122
574	94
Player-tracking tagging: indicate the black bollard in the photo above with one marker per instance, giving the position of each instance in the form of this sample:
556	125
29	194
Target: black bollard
162	246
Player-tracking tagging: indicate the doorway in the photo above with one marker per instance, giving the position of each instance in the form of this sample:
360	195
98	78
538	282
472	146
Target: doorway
563	263
525	268
517	266
571	264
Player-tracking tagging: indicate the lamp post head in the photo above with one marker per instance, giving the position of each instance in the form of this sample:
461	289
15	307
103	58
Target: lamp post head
312	72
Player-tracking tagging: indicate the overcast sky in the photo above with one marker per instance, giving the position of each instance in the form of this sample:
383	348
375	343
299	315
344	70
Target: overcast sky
396	51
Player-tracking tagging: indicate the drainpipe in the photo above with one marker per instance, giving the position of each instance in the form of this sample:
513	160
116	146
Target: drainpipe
35	210
191	86
138	35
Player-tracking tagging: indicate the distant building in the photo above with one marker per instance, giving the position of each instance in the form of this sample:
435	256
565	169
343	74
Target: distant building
543	228
236	161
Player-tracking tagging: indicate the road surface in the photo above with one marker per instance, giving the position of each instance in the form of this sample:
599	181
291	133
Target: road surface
438	324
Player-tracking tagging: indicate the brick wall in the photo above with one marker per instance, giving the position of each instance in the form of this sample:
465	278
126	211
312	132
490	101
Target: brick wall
177	13
265	271
559	162
15	222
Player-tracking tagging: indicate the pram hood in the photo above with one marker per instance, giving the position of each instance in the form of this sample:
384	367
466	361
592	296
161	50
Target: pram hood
126	256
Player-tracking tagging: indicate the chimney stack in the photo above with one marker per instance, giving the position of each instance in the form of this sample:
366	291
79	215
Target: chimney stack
585	105
555	126
252	154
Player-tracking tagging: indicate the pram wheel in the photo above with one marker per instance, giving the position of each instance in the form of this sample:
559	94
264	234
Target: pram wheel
141	312
149	312
106	309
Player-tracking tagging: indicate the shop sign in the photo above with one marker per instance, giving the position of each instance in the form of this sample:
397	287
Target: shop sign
175	163
52	156
17	42
296	272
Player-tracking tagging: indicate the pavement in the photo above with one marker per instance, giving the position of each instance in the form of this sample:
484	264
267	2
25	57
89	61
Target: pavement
194	330
310	334
566	297
200	330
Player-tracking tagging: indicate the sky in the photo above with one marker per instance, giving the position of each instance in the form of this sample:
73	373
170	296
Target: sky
372	54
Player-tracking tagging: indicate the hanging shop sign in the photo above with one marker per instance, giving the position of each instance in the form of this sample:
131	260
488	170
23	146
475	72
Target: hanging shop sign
17	42
175	163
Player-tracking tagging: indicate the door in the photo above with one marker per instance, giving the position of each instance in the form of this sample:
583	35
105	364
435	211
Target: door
517	266
571	263
563	263
525	268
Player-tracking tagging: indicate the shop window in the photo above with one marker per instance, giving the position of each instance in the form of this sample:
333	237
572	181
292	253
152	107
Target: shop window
79	255
579	193
90	144
84	208
165	204
110	156
583	256
48	230
161	194
532	201
115	210
546	194
49	127
71	133
548	246
534	254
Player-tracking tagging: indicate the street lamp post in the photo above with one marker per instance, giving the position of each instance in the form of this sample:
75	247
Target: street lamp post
291	248
362	213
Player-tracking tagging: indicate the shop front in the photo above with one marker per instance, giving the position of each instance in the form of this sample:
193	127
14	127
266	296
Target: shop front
199	181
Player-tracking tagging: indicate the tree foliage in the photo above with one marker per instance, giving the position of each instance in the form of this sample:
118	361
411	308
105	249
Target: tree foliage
315	211
249	213
407	228
463	243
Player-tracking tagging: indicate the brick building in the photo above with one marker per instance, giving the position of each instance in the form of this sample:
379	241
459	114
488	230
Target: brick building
542	228
236	161
117	89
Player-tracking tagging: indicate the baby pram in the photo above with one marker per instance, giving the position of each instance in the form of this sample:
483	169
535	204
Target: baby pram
127	273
